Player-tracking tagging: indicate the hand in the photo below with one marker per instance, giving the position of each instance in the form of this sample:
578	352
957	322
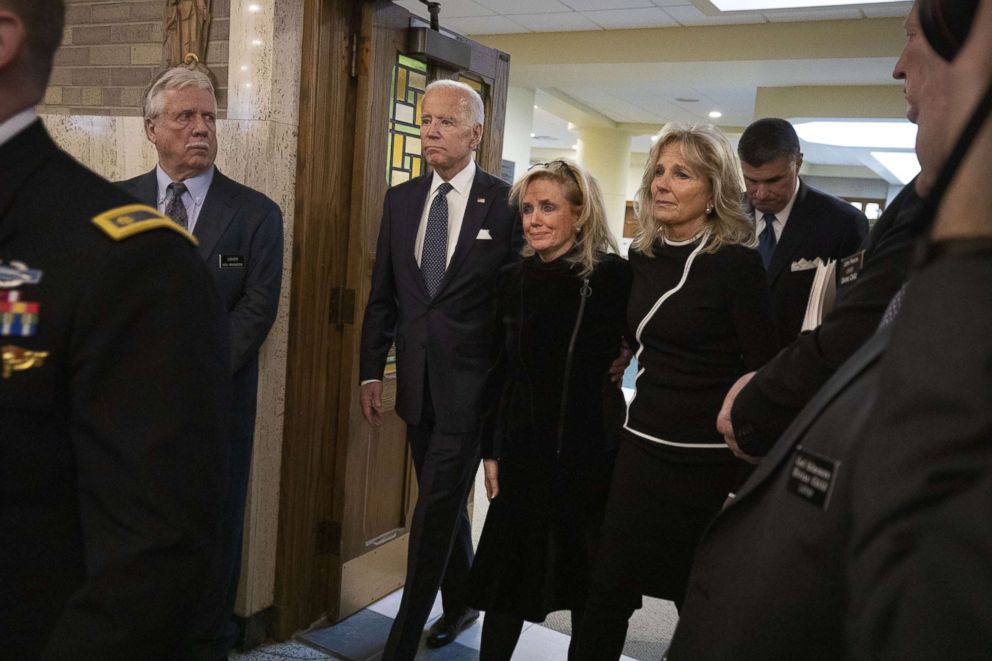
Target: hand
370	395
619	365
491	468
724	424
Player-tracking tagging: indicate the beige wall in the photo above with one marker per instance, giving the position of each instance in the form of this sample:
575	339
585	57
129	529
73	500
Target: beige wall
111	49
258	147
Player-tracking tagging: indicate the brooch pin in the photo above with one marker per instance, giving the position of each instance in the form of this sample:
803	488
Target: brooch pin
16	359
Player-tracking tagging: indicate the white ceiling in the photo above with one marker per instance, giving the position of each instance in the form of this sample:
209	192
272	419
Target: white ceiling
618	91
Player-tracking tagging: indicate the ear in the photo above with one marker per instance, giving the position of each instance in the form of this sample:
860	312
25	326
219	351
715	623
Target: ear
799	162
476	136
12	37
150	130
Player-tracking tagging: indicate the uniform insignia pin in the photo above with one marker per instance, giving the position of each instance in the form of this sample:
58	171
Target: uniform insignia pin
17	317
16	359
480	200
15	274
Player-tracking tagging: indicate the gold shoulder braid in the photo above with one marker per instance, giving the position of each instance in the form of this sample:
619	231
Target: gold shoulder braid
132	219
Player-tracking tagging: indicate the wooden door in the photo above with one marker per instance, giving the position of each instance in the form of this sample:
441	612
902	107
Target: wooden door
348	489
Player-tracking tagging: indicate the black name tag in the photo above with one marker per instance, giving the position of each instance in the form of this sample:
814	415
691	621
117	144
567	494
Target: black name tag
850	267
811	477
231	261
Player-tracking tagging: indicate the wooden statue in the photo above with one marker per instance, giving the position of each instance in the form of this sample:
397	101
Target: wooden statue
187	27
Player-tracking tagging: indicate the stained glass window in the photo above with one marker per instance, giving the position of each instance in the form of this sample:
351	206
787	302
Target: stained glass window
407	89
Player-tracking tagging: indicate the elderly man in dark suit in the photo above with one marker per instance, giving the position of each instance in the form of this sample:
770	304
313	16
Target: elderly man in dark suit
442	239
240	238
835	545
795	223
112	453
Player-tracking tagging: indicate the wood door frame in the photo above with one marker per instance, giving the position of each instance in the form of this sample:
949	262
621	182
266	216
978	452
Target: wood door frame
306	561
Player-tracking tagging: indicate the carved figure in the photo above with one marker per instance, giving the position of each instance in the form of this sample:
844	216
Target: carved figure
187	27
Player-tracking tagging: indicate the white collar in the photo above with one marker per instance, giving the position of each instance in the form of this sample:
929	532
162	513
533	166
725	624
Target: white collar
197	186
16	124
461	182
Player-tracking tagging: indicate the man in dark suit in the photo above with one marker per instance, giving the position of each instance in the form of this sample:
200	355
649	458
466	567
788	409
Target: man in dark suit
760	406
442	239
823	552
795	223
240	238
112	455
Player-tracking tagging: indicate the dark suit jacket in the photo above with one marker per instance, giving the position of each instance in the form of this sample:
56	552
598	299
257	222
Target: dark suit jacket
241	223
452	336
768	578
819	225
780	389
113	451
895	565
920	541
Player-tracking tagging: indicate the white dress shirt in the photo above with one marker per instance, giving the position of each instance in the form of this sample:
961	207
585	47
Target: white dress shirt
781	218
457	203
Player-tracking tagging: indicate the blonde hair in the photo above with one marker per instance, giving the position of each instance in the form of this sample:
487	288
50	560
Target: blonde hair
708	152
581	190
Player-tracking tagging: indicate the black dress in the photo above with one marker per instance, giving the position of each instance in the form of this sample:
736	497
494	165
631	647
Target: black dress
555	437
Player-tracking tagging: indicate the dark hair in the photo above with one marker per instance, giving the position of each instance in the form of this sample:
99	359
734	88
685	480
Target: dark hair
946	24
767	139
43	22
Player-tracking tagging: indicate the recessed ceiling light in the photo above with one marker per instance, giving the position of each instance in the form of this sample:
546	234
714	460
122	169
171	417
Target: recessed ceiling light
866	135
902	164
532	134
535	107
751	5
715	114
575	146
686	99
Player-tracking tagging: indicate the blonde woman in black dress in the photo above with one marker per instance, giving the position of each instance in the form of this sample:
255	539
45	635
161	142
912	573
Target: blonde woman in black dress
700	310
550	431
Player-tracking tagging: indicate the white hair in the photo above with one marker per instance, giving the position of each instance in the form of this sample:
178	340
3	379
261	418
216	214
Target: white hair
471	102
176	78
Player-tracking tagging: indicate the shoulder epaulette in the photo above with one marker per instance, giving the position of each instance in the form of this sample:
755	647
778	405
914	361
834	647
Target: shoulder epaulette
122	222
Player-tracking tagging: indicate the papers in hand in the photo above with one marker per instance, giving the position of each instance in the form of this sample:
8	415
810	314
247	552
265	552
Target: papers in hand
821	294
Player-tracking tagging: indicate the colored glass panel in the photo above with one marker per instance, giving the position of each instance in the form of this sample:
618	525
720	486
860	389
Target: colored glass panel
407	86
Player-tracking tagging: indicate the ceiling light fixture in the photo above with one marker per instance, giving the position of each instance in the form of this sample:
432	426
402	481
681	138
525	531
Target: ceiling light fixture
715	114
757	5
902	164
863	134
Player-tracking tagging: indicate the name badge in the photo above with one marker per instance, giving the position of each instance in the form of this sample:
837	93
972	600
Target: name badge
812	477
850	267
231	261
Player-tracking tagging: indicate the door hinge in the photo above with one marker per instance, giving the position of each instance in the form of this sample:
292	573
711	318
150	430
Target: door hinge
328	538
342	307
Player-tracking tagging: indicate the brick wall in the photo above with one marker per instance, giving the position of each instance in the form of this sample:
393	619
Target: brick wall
112	49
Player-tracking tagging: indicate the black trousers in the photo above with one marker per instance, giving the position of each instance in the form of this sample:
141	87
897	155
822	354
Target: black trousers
214	630
655	514
440	552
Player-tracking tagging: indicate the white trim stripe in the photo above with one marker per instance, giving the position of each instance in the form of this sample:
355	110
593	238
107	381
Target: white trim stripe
637	335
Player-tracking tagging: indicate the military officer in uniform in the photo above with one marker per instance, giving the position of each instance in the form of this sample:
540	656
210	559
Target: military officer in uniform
113	380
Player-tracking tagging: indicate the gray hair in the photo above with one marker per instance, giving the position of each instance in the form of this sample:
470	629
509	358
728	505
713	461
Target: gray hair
176	78
471	103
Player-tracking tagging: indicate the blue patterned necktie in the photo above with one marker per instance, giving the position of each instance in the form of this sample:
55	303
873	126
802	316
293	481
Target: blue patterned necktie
174	207
767	241
434	254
